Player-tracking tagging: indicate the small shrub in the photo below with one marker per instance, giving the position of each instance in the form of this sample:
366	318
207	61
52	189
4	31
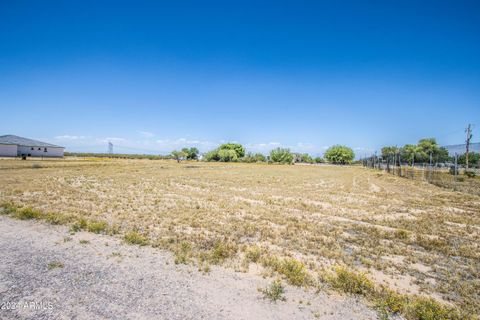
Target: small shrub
134	237
351	282
56	218
428	309
389	302
80	224
55	265
97	226
401	234
470	173
222	251
294	271
113	229
275	291
83	241
253	254
7	208
182	254
27	214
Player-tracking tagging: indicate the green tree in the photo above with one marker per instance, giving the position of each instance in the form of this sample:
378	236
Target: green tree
178	155
227	155
411	153
473	159
319	160
339	154
281	155
389	151
427	147
441	155
305	158
238	148
191	154
211	156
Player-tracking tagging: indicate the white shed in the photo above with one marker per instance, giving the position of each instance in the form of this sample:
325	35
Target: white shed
13	146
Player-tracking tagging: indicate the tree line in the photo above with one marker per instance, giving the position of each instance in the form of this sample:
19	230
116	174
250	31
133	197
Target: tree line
235	152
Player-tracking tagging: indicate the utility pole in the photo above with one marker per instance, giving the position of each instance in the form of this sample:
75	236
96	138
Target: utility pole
469	137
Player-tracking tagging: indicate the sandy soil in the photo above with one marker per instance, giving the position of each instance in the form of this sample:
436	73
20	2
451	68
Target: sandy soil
103	278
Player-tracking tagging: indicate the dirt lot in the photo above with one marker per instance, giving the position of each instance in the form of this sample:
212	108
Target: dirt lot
90	276
412	237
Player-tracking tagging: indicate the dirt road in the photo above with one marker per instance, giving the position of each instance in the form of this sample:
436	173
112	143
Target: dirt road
46	273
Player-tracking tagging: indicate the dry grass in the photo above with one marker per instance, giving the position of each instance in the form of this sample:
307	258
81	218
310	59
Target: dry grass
295	221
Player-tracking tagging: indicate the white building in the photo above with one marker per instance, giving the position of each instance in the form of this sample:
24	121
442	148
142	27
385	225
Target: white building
14	146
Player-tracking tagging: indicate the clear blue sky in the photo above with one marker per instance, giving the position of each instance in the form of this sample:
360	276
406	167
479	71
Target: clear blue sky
160	75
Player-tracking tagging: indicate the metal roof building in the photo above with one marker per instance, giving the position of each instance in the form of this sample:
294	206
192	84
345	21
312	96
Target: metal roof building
15	146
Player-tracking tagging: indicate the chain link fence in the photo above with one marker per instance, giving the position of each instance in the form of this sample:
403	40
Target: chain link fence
446	175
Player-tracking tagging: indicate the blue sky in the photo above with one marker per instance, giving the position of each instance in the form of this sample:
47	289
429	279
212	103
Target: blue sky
160	75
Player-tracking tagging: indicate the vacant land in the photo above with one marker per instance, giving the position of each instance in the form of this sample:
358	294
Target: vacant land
91	276
298	222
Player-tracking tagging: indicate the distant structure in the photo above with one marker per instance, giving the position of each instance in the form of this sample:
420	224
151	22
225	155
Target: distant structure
15	146
110	147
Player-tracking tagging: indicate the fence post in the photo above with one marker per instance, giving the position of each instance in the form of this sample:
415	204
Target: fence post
456	172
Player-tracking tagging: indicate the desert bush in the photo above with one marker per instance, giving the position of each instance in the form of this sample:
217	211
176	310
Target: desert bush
183	253
7	208
401	234
422	308
351	282
80	224
97	226
57	218
253	254
27	214
294	271
134	237
222	251
275	291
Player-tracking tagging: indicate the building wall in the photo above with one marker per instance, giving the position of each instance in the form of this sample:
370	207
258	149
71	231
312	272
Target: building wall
8	150
40	151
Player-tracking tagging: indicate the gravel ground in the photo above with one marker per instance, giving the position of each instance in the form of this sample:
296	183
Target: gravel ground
102	278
